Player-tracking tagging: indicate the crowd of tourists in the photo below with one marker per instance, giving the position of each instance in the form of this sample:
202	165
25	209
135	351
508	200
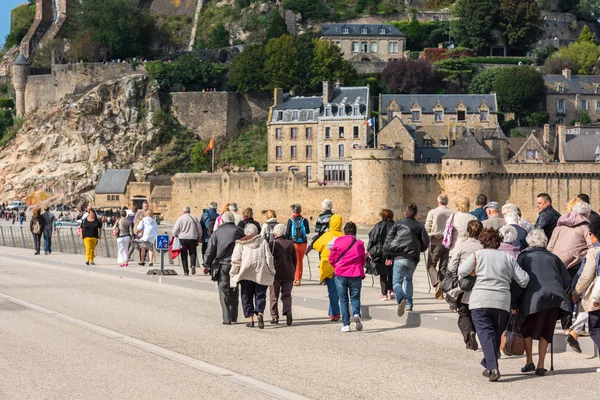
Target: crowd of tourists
492	267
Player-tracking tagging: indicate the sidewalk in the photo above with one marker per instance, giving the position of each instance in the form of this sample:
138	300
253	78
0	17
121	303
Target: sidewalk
428	312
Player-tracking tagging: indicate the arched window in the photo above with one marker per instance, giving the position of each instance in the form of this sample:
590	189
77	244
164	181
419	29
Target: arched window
341	151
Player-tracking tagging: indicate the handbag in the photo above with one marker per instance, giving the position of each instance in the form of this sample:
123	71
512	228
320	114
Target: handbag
512	343
449	282
447	241
467	283
116	231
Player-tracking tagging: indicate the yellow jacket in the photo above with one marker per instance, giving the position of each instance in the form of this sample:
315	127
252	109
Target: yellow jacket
335	230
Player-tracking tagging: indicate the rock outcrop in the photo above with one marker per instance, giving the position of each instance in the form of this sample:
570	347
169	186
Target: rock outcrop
64	148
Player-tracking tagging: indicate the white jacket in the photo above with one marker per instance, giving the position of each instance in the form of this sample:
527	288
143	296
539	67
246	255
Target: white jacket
252	261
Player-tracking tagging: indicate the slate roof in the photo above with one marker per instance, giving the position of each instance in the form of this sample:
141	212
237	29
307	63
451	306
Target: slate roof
357	29
161	192
114	181
435	153
468	148
578	84
580	148
21	60
514	145
495	133
448	102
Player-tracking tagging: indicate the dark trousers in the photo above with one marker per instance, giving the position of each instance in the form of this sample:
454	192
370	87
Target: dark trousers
47	241
594	326
489	325
465	323
567	320
385	281
285	289
437	263
36	242
229	298
254	298
204	247
188	246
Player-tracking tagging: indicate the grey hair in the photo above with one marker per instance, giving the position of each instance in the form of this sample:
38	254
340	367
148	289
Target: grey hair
582	208
279	230
443	199
228	217
537	238
233	207
213	205
511	217
509	233
250	229
187	210
296	208
508	207
326	205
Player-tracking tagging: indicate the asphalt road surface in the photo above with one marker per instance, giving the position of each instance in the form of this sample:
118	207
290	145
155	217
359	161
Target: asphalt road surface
77	334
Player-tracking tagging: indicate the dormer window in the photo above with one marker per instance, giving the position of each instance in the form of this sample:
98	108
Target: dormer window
415	115
382	31
461	115
346	31
444	142
597	89
364	31
311	115
342	110
279	115
427	142
560	89
356	111
328	111
295	115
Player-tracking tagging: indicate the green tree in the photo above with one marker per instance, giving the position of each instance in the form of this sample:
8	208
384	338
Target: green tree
456	74
483	83
584	118
281	65
521	22
277	27
189	68
305	47
329	65
247	70
474	23
21	20
219	36
519	89
582	56
586	35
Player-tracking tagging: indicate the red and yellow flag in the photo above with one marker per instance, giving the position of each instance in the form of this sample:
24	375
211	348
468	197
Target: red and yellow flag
211	145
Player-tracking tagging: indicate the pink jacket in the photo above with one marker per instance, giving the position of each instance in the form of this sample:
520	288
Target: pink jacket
352	264
571	239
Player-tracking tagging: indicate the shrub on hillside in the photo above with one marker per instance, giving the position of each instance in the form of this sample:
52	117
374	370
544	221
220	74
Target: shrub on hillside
409	77
439	54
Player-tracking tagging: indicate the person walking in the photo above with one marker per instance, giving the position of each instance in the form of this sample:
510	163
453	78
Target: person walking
297	231
460	221
457	297
217	262
189	231
219	219
284	260
512	219
91	232
208	220
509	237
326	270
437	260
571	239
347	256
252	267
248	216
267	230
479	212
544	300
377	237
149	230
508	208
36	226
322	224
233	207
49	229
124	232
403	246
548	216
495	219
490	299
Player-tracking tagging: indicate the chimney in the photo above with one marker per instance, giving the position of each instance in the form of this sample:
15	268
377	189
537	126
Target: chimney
567	73
277	96
561	133
546	136
327	91
338	83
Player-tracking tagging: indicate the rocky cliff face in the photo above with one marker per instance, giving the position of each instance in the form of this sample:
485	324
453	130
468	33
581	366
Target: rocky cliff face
62	150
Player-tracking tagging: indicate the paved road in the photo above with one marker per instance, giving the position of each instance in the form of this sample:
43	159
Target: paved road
167	342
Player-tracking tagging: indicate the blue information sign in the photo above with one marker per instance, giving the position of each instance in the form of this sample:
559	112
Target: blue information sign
162	243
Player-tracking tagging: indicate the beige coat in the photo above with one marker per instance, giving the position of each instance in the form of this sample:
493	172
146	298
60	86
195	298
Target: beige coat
584	284
436	223
460	253
459	233
252	261
571	240
496	222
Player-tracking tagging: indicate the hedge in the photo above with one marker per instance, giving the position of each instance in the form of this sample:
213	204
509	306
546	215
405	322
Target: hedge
7	103
500	60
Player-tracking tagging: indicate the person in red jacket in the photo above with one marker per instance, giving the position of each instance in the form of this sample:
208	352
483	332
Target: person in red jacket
348	258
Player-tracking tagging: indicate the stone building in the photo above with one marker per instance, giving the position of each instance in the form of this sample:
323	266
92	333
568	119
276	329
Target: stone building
369	47
111	190
317	135
567	95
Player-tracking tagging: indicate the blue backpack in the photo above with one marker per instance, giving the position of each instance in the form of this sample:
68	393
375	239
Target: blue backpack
298	231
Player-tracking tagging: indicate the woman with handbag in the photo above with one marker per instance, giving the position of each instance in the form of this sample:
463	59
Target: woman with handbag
489	273
544	300
123	231
376	260
91	232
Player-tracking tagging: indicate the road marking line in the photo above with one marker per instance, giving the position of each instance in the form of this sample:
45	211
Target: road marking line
203	366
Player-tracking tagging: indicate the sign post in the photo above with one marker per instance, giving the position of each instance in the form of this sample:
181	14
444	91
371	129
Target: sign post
161	244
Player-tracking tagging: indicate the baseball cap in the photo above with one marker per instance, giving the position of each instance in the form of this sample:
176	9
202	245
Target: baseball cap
494	205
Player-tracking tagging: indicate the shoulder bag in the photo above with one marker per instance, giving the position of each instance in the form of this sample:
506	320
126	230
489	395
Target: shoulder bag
448	232
467	283
345	251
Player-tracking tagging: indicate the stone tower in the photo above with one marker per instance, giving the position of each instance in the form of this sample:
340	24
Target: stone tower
376	183
20	74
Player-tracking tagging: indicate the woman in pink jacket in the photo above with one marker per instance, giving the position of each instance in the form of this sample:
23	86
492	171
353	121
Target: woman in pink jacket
348	258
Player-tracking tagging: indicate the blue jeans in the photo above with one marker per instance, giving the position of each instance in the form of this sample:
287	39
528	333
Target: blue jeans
403	276
344	285
334	300
47	241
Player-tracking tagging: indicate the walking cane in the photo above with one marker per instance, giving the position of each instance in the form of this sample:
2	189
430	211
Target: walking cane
309	269
427	271
552	356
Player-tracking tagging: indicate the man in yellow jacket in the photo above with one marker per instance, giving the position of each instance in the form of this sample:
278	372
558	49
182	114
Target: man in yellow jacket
323	245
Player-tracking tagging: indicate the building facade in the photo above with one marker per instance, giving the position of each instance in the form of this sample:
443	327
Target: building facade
568	95
316	135
366	42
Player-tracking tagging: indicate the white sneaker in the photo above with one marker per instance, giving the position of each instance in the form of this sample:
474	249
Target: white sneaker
358	323
346	328
598	370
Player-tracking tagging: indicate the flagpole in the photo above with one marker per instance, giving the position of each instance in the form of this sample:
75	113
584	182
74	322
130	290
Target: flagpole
213	154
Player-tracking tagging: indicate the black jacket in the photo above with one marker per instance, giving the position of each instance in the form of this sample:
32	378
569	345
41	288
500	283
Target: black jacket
547	221
593	216
521	243
247	221
406	239
220	249
377	238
